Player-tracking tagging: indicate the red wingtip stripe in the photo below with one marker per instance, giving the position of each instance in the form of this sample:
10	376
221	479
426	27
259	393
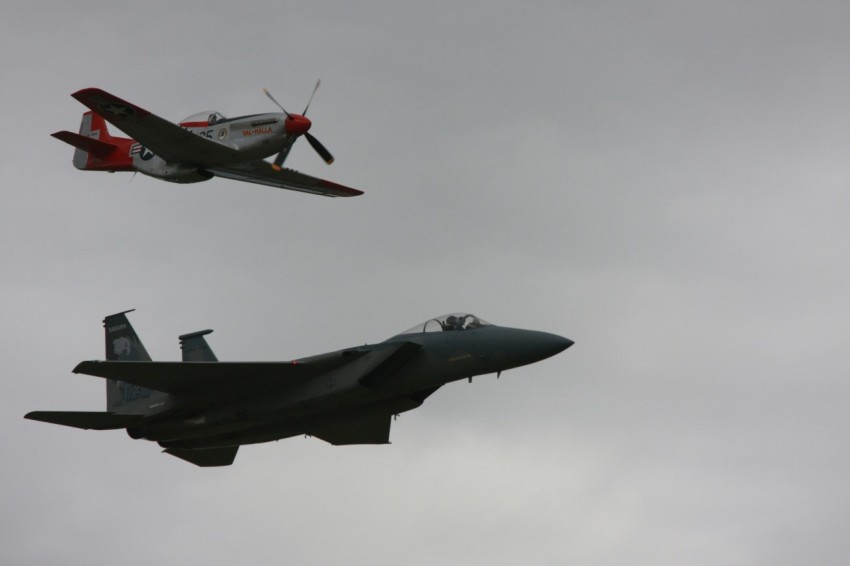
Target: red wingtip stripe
342	190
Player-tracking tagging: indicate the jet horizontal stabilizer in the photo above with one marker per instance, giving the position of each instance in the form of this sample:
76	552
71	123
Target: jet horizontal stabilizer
94	420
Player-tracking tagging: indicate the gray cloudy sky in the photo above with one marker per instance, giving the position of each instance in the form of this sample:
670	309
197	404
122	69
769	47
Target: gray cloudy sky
666	183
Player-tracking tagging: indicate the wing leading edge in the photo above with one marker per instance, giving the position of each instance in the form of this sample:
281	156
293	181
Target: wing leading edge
262	173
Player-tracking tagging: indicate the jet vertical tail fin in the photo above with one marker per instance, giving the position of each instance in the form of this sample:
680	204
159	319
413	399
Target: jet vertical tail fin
195	347
97	150
123	344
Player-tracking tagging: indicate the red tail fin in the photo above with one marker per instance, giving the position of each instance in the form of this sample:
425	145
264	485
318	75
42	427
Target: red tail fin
97	150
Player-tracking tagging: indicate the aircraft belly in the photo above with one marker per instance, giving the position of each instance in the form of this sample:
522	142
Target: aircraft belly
292	425
254	150
157	167
324	394
220	422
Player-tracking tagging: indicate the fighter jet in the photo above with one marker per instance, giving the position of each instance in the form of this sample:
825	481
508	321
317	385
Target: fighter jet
202	410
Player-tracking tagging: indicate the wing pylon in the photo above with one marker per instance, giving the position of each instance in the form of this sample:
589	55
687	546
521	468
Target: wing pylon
206	457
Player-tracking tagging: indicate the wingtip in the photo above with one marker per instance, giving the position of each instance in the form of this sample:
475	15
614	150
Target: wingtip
84	367
341	190
86	91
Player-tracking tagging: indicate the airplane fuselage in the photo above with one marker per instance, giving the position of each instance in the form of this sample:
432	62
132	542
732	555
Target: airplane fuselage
340	394
254	137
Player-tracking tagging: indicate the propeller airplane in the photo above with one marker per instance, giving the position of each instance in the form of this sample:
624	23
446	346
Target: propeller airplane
200	147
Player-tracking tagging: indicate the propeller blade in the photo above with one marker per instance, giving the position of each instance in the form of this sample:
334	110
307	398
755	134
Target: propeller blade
315	88
276	102
299	127
320	149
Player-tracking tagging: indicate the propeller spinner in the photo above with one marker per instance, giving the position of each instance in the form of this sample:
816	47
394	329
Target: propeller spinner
298	125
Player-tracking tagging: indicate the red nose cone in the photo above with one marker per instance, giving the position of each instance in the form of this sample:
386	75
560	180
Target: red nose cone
297	124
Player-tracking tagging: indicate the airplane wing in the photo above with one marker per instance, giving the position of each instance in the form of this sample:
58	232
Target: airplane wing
261	172
203	377
85	419
235	379
164	138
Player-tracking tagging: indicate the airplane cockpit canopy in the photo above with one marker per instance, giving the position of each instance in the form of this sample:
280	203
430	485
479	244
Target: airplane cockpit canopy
202	119
456	321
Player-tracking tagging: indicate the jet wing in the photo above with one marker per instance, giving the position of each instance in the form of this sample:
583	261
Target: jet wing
234	379
85	419
164	138
261	172
204	377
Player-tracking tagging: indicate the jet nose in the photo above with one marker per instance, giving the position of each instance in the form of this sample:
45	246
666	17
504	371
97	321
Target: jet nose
529	346
551	344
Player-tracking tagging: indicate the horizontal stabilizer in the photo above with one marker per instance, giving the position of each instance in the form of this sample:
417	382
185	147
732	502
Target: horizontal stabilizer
85	419
91	145
206	457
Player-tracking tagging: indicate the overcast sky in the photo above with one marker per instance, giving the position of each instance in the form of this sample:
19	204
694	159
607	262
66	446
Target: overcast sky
664	183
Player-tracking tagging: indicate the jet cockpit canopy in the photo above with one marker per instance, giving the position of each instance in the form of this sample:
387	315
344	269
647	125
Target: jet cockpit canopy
456	321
